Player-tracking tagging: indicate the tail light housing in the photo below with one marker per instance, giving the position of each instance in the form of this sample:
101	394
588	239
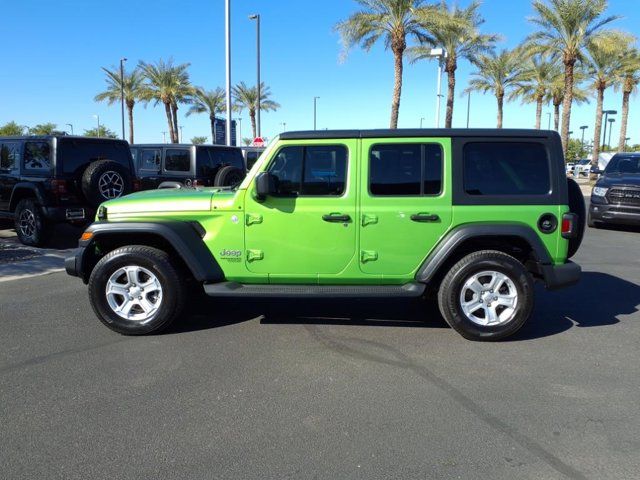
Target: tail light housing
136	185
59	187
569	223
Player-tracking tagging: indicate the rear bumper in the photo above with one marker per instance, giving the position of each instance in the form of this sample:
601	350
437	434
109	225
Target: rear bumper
619	214
69	213
560	276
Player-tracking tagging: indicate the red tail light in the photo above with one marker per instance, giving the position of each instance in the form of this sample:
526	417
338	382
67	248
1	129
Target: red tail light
568	225
197	183
135	185
58	187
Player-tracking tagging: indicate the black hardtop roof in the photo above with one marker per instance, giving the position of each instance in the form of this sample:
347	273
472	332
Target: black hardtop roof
60	136
177	145
419	132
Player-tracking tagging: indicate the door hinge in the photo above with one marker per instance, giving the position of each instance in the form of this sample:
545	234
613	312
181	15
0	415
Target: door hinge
254	255
369	219
368	256
253	218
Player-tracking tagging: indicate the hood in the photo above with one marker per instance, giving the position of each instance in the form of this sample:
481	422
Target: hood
617	179
169	200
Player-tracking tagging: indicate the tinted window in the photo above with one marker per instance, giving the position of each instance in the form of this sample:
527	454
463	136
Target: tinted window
624	164
75	154
252	158
9	156
149	160
405	169
37	156
505	168
211	159
312	171
177	160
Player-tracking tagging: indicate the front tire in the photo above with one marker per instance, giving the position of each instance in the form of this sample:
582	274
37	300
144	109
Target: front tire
136	290
488	295
31	226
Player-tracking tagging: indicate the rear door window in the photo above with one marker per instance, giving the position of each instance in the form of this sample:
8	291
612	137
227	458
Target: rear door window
75	154
9	156
37	157
149	160
177	160
506	169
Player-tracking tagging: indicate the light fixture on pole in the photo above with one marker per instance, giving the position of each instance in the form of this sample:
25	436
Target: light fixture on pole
606	114
71	125
284	126
256	17
227	29
98	118
625	143
315	111
611	120
440	54
122	60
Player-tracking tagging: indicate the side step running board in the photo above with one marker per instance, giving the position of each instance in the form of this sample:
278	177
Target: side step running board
232	289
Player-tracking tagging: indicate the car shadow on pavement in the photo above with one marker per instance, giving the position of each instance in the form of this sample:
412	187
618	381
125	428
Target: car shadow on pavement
597	301
555	312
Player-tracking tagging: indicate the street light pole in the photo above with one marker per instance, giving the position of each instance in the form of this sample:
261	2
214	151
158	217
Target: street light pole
421	120
611	120
227	29
164	137
583	128
98	118
284	126
239	131
468	108
315	111
606	114
71	125
549	124
256	17
181	136
122	60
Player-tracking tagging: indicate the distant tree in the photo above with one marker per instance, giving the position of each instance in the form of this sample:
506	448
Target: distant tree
496	73
627	80
247	141
247	97
43	129
133	88
210	102
103	132
576	150
199	140
12	129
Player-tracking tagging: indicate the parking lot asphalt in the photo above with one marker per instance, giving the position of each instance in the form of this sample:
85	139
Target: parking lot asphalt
349	389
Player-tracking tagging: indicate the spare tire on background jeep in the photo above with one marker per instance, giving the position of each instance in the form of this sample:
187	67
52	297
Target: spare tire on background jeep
228	176
105	180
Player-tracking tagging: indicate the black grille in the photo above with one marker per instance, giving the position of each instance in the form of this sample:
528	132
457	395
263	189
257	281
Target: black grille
624	196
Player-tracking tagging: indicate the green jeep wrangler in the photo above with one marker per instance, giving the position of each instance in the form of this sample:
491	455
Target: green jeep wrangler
474	216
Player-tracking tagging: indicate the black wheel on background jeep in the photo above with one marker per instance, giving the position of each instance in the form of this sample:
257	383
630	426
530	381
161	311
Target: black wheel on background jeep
31	226
228	177
488	295
136	290
105	180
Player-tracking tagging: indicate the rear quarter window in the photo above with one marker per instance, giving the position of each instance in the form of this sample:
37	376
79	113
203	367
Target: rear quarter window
210	160
506	169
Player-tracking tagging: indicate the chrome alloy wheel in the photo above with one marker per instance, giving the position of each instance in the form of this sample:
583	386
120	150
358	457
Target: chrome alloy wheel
134	293
27	223
111	184
489	298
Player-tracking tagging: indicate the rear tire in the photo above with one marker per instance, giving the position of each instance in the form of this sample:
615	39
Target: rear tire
136	290
31	225
488	295
577	206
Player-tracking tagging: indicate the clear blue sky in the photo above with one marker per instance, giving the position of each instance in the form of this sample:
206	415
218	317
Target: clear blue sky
54	51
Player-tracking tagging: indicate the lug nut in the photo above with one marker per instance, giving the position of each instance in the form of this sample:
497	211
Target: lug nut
495	298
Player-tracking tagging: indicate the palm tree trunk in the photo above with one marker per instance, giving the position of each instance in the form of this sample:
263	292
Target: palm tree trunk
213	128
252	116
176	130
130	106
622	143
167	110
568	100
539	100
556	117
451	90
500	109
397	87
598	128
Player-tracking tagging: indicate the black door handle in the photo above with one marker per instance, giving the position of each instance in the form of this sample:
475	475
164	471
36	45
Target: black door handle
336	218
420	217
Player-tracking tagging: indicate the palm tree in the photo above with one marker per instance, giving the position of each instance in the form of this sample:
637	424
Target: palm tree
496	73
247	97
393	21
566	28
557	89
627	80
133	85
168	84
457	31
535	82
208	101
604	62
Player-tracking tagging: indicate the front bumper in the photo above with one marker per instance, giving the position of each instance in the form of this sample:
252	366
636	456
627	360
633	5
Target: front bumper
560	276
619	214
74	264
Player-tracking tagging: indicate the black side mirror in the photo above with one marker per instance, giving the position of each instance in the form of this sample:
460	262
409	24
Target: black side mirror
265	185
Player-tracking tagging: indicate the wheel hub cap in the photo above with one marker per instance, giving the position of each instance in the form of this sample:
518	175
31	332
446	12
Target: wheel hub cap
489	298
27	223
134	293
111	184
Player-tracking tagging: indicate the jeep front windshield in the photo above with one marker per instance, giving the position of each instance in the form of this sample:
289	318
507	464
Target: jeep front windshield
624	165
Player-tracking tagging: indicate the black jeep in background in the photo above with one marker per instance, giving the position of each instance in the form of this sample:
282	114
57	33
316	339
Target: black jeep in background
51	179
176	165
